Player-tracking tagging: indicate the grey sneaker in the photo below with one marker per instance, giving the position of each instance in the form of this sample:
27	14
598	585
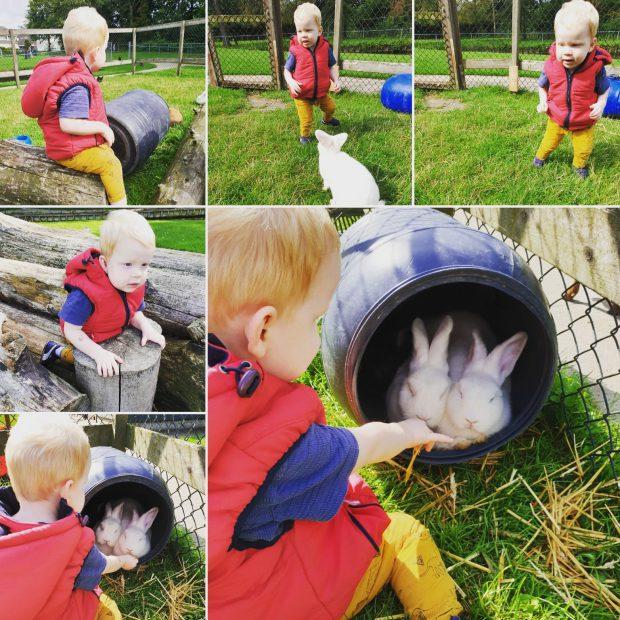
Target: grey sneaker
334	122
305	140
538	163
582	172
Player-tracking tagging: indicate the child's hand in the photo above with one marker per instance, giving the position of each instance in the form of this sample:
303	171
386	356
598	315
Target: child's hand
107	363
597	109
108	136
542	107
336	86
128	562
295	86
417	432
149	333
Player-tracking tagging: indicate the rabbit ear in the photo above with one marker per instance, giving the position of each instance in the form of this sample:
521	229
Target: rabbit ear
118	510
438	351
146	520
502	359
420	345
108	509
324	138
477	351
339	139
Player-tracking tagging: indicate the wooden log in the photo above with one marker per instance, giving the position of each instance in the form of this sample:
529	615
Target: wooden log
184	183
29	177
25	385
133	389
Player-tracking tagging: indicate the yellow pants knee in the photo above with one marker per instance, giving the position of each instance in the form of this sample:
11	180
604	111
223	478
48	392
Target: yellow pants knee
100	160
583	143
410	561
305	108
108	610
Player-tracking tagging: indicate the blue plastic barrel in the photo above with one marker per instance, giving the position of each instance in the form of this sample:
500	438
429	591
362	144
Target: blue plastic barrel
398	264
139	120
116	475
396	93
612	107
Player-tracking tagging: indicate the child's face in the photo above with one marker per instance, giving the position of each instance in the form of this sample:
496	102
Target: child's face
293	340
95	59
128	266
573	42
307	31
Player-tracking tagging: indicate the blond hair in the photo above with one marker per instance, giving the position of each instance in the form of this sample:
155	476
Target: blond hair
578	11
84	30
263	257
43	452
307	9
124	223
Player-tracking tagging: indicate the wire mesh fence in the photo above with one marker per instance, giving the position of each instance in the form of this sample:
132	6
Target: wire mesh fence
587	383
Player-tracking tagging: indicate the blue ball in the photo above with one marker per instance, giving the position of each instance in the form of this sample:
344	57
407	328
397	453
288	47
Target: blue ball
612	108
23	139
396	93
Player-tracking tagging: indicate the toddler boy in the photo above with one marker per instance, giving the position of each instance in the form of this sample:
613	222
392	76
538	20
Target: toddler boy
309	68
294	532
52	566
66	99
106	291
573	87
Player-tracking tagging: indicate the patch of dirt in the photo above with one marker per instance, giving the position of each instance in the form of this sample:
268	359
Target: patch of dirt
266	105
443	105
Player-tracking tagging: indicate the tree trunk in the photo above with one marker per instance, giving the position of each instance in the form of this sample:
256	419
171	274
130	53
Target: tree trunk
184	183
29	177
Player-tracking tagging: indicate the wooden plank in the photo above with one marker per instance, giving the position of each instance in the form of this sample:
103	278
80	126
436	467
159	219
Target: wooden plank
581	242
112	63
119	430
513	69
337	29
15	61
487	63
189	22
237	19
376	67
133	50
182	459
453	35
181	45
274	32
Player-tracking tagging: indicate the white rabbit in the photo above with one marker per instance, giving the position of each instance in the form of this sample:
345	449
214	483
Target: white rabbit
116	518
478	404
350	182
421	385
136	538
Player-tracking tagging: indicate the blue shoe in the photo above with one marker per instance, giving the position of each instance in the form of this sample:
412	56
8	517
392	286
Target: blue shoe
334	122
304	140
582	172
538	163
51	352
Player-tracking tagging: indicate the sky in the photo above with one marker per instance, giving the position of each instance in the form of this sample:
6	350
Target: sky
13	13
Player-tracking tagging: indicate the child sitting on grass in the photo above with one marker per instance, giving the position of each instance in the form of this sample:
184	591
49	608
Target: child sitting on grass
294	532
573	87
51	566
106	292
66	99
309	68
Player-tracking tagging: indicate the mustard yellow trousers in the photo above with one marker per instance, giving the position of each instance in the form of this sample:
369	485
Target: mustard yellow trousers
583	143
410	561
100	160
305	109
108	609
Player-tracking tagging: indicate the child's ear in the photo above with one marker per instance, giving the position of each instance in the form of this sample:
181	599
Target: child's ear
256	330
65	488
594	43
103	263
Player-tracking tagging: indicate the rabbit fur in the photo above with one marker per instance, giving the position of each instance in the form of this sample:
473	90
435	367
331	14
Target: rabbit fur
350	182
136	538
116	518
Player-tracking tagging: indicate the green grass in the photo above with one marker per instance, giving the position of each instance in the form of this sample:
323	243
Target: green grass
188	235
483	154
179	92
490	531
255	156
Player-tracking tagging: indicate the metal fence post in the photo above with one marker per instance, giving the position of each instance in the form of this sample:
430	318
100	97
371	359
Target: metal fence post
513	69
275	33
15	62
181	43
453	38
133	50
337	30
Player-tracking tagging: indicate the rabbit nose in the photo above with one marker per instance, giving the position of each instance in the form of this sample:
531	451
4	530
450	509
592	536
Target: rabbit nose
471	422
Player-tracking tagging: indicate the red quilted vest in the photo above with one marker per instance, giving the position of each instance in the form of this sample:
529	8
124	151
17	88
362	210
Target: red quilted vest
40	564
49	80
313	569
113	309
571	94
311	68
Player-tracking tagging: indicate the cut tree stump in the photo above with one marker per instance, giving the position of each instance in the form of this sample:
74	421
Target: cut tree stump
29	177
133	389
184	183
26	386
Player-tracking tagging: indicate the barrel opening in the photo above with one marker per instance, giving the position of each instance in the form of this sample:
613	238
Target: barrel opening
391	344
140	490
122	147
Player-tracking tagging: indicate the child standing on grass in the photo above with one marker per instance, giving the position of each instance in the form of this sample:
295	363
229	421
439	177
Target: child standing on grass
573	87
294	532
66	99
51	567
309	68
